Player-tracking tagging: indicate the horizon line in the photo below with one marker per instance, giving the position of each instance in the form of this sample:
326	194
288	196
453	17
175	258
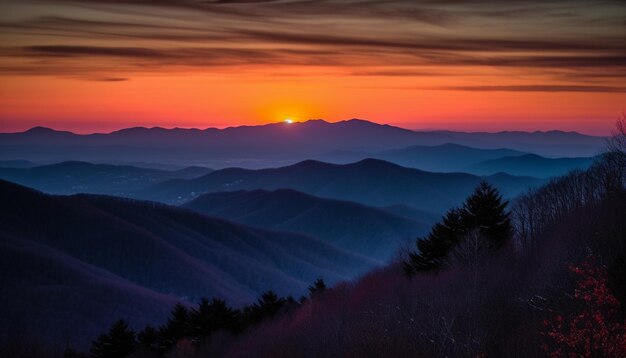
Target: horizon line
417	130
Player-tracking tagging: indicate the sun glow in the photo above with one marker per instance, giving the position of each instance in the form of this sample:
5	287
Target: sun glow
288	120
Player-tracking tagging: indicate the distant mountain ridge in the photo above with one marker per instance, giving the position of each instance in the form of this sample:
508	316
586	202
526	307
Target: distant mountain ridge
371	182
270	144
80	177
531	164
17	164
448	157
369	231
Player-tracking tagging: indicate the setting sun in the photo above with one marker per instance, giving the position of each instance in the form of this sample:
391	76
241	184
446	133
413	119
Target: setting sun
285	178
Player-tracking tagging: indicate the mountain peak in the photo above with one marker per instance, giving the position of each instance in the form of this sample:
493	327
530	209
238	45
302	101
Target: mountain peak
311	163
374	163
40	129
363	122
316	120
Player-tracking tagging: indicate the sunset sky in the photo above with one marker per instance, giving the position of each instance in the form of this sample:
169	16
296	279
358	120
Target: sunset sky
101	65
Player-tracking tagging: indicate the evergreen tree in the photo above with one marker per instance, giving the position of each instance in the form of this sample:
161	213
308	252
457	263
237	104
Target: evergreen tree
118	342
211	316
148	338
267	306
177	327
318	287
432	249
484	211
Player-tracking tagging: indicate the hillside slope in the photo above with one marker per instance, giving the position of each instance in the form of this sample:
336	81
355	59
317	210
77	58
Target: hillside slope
119	245
531	165
372	232
370	182
446	158
71	301
82	177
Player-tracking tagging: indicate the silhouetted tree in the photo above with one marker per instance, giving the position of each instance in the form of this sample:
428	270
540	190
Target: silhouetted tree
538	209
148	338
318	287
432	250
211	316
617	142
483	211
118	342
267	306
177	327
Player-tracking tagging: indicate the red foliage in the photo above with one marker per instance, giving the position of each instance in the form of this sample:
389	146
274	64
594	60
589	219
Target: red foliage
593	331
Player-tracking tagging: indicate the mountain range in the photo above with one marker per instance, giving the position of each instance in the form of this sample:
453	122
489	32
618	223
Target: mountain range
370	182
110	257
438	158
371	232
268	145
86	238
82	177
17	164
531	165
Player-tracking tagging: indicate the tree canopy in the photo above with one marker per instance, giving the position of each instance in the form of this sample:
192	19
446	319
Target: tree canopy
483	211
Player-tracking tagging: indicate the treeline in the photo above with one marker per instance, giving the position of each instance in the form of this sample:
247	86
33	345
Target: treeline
479	227
188	328
538	210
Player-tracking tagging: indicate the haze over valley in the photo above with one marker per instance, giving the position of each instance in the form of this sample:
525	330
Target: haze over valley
312	178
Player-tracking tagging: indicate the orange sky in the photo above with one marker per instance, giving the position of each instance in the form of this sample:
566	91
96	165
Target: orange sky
474	65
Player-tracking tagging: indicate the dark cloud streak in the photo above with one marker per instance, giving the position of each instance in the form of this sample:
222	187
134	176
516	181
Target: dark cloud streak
537	88
396	38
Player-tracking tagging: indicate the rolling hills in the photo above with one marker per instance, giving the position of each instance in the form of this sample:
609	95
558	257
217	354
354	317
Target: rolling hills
82	177
451	158
72	301
120	255
447	157
370	182
531	165
372	232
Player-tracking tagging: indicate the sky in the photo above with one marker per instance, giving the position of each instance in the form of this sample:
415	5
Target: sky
471	65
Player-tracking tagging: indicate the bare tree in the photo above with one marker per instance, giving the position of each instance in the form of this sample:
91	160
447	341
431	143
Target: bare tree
617	143
469	251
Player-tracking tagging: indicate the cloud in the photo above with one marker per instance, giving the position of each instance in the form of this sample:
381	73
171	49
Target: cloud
537	88
370	37
434	43
66	51
111	79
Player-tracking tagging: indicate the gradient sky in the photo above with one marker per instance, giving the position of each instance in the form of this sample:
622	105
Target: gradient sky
100	65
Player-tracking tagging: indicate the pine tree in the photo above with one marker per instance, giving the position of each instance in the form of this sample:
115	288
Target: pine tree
318	287
433	249
177	327
118	342
148	338
483	210
267	306
211	316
